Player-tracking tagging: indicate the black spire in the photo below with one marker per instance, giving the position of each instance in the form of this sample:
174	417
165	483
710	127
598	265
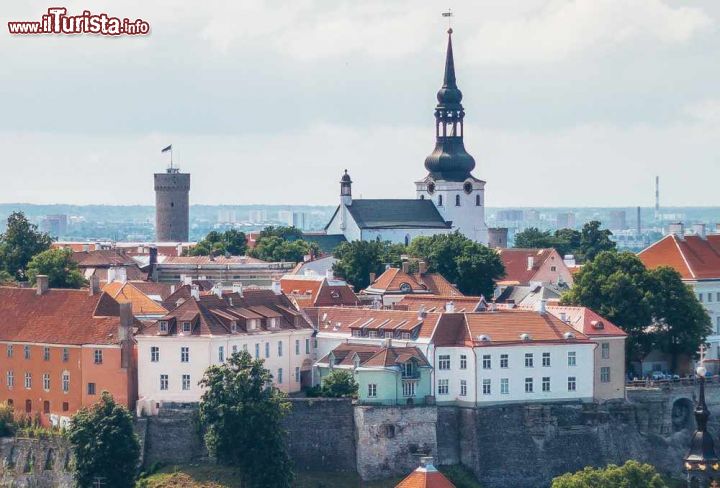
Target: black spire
701	461
449	161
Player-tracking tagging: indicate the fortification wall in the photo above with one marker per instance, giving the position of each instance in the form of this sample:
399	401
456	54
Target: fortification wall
37	463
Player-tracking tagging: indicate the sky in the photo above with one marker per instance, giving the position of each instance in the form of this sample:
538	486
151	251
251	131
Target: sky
568	103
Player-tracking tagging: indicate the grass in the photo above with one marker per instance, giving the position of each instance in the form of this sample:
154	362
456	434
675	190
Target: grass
214	476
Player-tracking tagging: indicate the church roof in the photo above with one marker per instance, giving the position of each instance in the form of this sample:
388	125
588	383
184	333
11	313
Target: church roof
396	214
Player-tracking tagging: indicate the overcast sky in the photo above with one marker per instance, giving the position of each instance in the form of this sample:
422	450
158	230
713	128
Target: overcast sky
568	103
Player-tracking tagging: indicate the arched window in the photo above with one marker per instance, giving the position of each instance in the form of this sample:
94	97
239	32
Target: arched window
439	200
457	200
422	197
477	200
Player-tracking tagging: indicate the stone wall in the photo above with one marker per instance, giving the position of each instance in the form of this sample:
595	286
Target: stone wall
37	463
391	440
173	436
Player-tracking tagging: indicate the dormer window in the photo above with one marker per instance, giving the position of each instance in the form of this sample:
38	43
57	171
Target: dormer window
372	333
356	333
163	326
405	288
186	327
233	328
408	370
272	323
252	324
405	336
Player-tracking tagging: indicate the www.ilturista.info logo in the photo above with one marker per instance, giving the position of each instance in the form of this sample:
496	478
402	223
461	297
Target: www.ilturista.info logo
58	22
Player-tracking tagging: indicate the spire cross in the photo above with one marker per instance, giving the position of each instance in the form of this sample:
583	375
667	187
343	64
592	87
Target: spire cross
448	14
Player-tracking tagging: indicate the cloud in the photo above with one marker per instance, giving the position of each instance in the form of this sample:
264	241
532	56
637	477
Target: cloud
705	111
562	29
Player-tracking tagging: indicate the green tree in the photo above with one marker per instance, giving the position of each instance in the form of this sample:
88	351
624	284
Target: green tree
241	414
59	266
474	268
340	383
5	277
286	233
533	238
232	242
274	248
357	259
19	243
630	475
105	444
594	240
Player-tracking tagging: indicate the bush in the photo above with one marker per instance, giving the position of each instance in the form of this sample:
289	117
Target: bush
340	383
7	420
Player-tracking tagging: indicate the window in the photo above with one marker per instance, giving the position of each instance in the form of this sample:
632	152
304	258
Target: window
405	336
163	326
307	346
477	200
98	356
553	268
28	380
26	350
315	343
408	370
297	347
46	353
528	360
234	349
267	349
163	382
504	386
233	328
717	296
457	200
572	358
154	354
10	379
486	386
257	351
279	376
187	327
443	387
700	297
709	297
546	359
280	349
9	350
245	347
91	388
372	333
605	350
66	406
546	383
297	374
66	382
66	354
46	381
372	390
463	361
503	360
487	363
605	374
463	387
439	200
185	354
221	354
46	406
572	385
408	388
28	406
528	385
444	361
186	382
718	326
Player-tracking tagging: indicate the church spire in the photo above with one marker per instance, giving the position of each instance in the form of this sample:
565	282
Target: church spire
449	161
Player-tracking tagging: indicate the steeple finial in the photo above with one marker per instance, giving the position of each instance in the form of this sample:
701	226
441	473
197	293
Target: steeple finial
449	79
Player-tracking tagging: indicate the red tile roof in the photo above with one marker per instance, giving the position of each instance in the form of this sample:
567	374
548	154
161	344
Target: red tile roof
507	326
222	260
586	321
425	477
436	303
375	356
58	317
392	279
516	263
345	319
317	291
691	256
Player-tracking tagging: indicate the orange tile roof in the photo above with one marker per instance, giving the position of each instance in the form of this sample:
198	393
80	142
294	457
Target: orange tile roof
691	256
317	292
377	356
392	279
425	477
516	263
586	321
197	260
58	316
345	319
433	303
128	292
506	326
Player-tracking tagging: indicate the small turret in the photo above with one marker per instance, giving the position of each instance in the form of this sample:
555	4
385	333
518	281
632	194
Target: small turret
346	189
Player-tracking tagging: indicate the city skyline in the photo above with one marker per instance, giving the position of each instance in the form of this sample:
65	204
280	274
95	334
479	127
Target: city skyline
584	93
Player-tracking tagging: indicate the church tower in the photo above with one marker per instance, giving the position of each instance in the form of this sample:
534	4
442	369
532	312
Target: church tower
172	206
457	194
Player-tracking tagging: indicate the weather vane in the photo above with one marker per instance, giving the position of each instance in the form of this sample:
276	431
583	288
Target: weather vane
448	14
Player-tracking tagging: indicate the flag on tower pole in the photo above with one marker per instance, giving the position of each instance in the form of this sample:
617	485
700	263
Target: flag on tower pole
166	149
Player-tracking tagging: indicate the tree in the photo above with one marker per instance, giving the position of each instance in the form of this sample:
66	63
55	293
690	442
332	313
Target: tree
630	475
19	243
274	248
105	444
584	244
340	383
533	238
474	268
5	277
357	259
232	242
594	240
241	413
286	233
59	266
655	308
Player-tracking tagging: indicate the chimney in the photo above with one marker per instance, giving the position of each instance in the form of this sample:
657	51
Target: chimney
450	307
179	250
195	292
276	288
237	288
406	267
542	306
152	261
43	283
186	280
172	289
125	334
569	260
94	285
421	312
677	229
530	262
218	289
372	277
329	275
422	267
117	273
699	230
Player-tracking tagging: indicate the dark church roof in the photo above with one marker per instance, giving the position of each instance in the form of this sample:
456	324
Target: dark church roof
327	243
396	214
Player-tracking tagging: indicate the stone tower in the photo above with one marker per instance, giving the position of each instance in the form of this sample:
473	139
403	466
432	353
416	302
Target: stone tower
172	206
457	194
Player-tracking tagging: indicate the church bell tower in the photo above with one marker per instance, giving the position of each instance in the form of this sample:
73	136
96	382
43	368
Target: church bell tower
457	194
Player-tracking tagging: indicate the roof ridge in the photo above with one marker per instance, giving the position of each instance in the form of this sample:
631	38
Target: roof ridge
682	255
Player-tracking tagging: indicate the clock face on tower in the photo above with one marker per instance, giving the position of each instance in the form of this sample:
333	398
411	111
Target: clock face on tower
467	187
431	188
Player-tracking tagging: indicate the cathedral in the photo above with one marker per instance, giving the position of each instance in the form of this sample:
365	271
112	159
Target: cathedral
448	199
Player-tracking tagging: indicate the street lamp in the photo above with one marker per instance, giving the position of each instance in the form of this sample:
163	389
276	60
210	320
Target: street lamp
701	462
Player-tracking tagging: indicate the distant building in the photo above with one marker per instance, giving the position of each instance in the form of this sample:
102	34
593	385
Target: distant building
257	216
55	225
510	215
617	220
299	220
172	206
527	266
226	270
565	220
498	238
108	265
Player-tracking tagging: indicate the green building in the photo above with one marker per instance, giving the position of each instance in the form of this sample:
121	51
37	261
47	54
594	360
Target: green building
386	375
